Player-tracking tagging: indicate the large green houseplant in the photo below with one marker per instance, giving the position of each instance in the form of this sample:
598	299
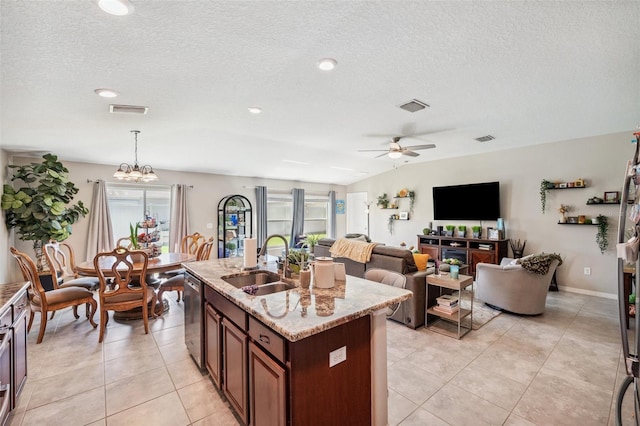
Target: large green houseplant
40	210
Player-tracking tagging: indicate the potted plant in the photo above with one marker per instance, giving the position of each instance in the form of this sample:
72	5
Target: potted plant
390	223
545	186
297	259
40	210
382	201
562	210
450	229
462	231
311	241
601	235
477	231
426	231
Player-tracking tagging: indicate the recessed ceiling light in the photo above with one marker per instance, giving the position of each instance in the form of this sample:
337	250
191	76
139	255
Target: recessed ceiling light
106	93
116	7
255	110
327	64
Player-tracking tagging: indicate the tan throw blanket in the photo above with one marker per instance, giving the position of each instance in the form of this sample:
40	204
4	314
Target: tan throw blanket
358	251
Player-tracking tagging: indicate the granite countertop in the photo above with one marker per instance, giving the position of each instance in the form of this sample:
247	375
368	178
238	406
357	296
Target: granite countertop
299	313
9	292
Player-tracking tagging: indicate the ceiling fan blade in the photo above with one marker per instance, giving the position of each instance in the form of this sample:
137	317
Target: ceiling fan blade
373	150
417	147
382	155
409	153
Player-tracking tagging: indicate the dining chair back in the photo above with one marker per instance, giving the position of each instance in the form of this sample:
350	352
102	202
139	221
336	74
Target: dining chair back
127	288
204	251
50	301
124	242
61	260
191	243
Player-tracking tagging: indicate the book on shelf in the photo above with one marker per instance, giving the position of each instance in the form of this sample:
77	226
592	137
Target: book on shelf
446	310
447	300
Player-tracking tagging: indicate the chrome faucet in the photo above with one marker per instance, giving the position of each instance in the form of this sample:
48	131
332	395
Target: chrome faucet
263	249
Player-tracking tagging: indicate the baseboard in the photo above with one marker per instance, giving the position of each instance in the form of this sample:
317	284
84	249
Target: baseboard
589	292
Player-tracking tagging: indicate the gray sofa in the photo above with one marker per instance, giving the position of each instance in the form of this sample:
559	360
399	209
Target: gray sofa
411	312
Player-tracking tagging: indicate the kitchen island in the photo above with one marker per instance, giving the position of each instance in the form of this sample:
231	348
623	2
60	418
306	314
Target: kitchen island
300	356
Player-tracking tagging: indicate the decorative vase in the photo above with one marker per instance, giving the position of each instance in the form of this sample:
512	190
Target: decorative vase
563	218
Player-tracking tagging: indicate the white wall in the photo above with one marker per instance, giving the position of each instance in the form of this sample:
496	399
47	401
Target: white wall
203	199
601	161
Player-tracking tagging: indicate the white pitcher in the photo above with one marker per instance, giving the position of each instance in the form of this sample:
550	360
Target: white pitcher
323	272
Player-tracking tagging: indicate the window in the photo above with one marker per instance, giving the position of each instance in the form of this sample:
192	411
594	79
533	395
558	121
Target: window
280	216
131	204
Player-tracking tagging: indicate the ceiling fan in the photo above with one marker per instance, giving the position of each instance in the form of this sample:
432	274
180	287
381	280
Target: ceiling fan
396	150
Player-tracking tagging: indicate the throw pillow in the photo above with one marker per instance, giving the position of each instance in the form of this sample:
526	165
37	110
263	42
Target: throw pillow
539	264
421	261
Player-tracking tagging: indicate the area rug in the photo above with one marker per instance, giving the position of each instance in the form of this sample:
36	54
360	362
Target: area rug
482	314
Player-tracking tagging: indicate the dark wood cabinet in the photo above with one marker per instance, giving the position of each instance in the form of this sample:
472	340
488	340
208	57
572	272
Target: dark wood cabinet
267	389
213	349
235	380
19	356
470	250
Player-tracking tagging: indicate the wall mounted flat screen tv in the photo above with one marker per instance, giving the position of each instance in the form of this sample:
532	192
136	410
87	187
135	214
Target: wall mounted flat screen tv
476	201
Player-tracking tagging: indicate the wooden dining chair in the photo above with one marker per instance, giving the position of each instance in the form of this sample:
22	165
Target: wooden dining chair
61	260
176	283
191	243
116	290
124	242
50	301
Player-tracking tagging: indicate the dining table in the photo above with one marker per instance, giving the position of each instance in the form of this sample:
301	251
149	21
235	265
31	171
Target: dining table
163	263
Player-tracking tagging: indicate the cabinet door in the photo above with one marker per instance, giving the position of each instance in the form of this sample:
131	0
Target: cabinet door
5	365
19	354
480	256
234	344
266	389
213	354
432	251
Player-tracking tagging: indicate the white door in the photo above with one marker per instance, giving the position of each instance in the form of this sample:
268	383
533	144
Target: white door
356	213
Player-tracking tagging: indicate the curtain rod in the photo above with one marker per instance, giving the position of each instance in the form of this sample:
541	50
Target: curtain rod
124	183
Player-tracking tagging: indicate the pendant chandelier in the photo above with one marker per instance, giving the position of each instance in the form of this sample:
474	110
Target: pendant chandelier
135	173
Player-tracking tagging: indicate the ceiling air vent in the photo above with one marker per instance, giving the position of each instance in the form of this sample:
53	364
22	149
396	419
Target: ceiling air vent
413	105
485	138
128	109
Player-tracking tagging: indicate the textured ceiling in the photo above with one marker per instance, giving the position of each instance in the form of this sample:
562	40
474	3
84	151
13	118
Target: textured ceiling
524	72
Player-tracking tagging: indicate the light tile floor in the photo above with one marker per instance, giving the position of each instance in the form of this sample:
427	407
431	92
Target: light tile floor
563	367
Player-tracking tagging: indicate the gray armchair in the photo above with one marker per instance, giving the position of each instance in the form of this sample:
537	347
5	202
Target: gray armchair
512	288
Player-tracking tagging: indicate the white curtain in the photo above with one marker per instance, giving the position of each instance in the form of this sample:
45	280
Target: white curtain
179	221
100	236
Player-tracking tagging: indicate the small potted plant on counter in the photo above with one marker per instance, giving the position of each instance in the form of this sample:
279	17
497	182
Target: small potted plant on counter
462	231
450	229
477	231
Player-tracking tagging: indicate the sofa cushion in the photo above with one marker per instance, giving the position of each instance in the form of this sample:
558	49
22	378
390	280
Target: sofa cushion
421	260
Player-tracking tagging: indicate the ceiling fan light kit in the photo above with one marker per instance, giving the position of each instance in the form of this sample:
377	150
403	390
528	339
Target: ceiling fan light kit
396	150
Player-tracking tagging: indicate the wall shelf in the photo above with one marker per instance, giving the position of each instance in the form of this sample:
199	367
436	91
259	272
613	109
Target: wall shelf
587	224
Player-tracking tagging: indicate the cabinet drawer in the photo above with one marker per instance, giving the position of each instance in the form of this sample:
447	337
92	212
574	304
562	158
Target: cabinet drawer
6	319
268	339
20	306
226	308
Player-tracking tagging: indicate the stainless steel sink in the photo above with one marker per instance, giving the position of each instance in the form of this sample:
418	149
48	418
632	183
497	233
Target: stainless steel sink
273	288
251	278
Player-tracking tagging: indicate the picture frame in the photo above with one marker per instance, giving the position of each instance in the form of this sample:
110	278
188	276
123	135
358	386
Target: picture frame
404	215
611	196
572	219
493	233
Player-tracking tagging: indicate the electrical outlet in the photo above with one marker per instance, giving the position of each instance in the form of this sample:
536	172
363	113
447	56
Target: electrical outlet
209	225
337	356
587	271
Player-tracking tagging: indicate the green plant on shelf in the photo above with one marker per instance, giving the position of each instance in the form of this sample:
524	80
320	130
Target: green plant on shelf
545	186
601	236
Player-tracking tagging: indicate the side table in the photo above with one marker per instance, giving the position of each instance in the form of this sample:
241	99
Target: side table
450	324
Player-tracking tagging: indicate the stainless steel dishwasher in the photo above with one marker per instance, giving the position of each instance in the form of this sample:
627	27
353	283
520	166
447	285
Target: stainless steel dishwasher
193	305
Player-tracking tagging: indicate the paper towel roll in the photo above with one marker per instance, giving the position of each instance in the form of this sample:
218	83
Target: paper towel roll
250	253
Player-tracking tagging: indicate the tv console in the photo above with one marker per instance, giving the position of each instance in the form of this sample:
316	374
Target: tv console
468	250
